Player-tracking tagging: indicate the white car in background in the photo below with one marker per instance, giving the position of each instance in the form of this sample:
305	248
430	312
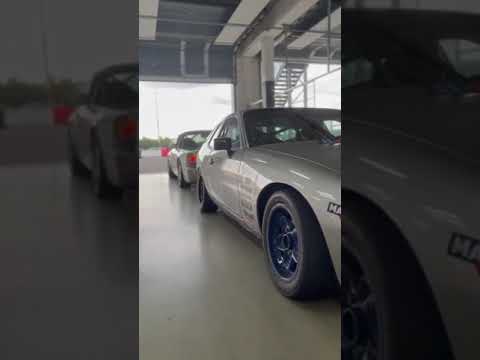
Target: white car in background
277	172
103	132
182	158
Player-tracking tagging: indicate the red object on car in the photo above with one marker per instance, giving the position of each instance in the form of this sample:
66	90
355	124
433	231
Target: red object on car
126	128
61	114
192	160
164	151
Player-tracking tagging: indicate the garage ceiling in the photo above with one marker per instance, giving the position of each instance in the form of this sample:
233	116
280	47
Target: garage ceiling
187	40
181	47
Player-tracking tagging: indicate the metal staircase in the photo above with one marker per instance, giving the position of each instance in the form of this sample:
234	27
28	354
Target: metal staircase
288	76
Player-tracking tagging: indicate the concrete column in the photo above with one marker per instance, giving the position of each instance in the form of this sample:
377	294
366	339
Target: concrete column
247	82
267	44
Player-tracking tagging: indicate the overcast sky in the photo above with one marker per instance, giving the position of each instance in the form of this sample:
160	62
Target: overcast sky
82	37
183	107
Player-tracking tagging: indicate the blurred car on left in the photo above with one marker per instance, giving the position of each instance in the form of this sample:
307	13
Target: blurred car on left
2	119
103	133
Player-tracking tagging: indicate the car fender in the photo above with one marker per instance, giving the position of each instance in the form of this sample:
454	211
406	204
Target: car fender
319	186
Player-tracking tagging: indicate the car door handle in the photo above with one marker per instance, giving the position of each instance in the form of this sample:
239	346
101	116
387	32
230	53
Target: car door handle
211	161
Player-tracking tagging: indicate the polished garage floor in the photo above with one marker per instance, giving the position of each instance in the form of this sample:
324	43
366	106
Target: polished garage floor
205	293
68	262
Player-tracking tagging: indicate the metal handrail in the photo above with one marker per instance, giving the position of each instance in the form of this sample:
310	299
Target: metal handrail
312	80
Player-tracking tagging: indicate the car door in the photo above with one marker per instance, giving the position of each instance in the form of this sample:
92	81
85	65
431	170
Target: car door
173	156
207	162
227	167
83	122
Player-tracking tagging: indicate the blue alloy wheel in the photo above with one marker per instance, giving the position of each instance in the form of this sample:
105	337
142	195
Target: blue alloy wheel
283	244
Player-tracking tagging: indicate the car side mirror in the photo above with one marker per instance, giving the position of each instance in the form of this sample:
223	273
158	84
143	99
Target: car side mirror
222	144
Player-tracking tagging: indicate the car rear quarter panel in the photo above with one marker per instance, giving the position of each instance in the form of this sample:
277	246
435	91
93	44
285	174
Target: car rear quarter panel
429	194
121	162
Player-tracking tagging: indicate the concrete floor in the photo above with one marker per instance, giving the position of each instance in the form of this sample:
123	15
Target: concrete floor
205	292
68	262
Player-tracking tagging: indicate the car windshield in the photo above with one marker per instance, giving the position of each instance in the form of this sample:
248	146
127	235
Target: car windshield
274	126
120	90
193	141
432	48
463	55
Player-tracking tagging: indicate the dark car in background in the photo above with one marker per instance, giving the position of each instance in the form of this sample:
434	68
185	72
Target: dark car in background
103	133
2	118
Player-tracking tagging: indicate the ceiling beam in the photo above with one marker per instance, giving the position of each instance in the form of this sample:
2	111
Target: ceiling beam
309	37
147	27
245	13
283	12
180	36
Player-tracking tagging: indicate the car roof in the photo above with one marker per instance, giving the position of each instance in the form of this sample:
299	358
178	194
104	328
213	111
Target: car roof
114	69
325	111
194	132
423	24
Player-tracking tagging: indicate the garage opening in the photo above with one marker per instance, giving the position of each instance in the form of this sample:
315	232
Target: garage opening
209	288
168	109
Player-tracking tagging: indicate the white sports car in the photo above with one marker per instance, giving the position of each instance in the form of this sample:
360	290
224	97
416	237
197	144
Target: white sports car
182	158
277	172
103	133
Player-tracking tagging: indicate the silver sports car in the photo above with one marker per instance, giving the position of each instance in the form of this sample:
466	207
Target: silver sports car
182	158
277	172
410	184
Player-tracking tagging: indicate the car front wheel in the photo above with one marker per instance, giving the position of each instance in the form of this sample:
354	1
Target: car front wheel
206	203
388	312
76	167
100	184
180	179
171	174
295	250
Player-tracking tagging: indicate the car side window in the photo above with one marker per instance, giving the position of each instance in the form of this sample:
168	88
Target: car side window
232	130
100	92
357	71
215	134
116	91
94	93
179	143
391	63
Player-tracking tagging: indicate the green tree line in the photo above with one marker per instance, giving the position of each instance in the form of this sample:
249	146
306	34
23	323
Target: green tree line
147	143
15	93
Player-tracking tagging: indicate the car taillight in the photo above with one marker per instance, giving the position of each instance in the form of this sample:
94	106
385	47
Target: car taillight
61	114
126	128
192	160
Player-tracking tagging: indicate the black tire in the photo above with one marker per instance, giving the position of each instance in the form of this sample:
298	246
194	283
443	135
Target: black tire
387	305
100	184
2	120
180	179
171	174
77	169
314	275
206	203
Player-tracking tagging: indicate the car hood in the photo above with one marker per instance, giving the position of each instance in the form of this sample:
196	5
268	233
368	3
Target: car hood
324	155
